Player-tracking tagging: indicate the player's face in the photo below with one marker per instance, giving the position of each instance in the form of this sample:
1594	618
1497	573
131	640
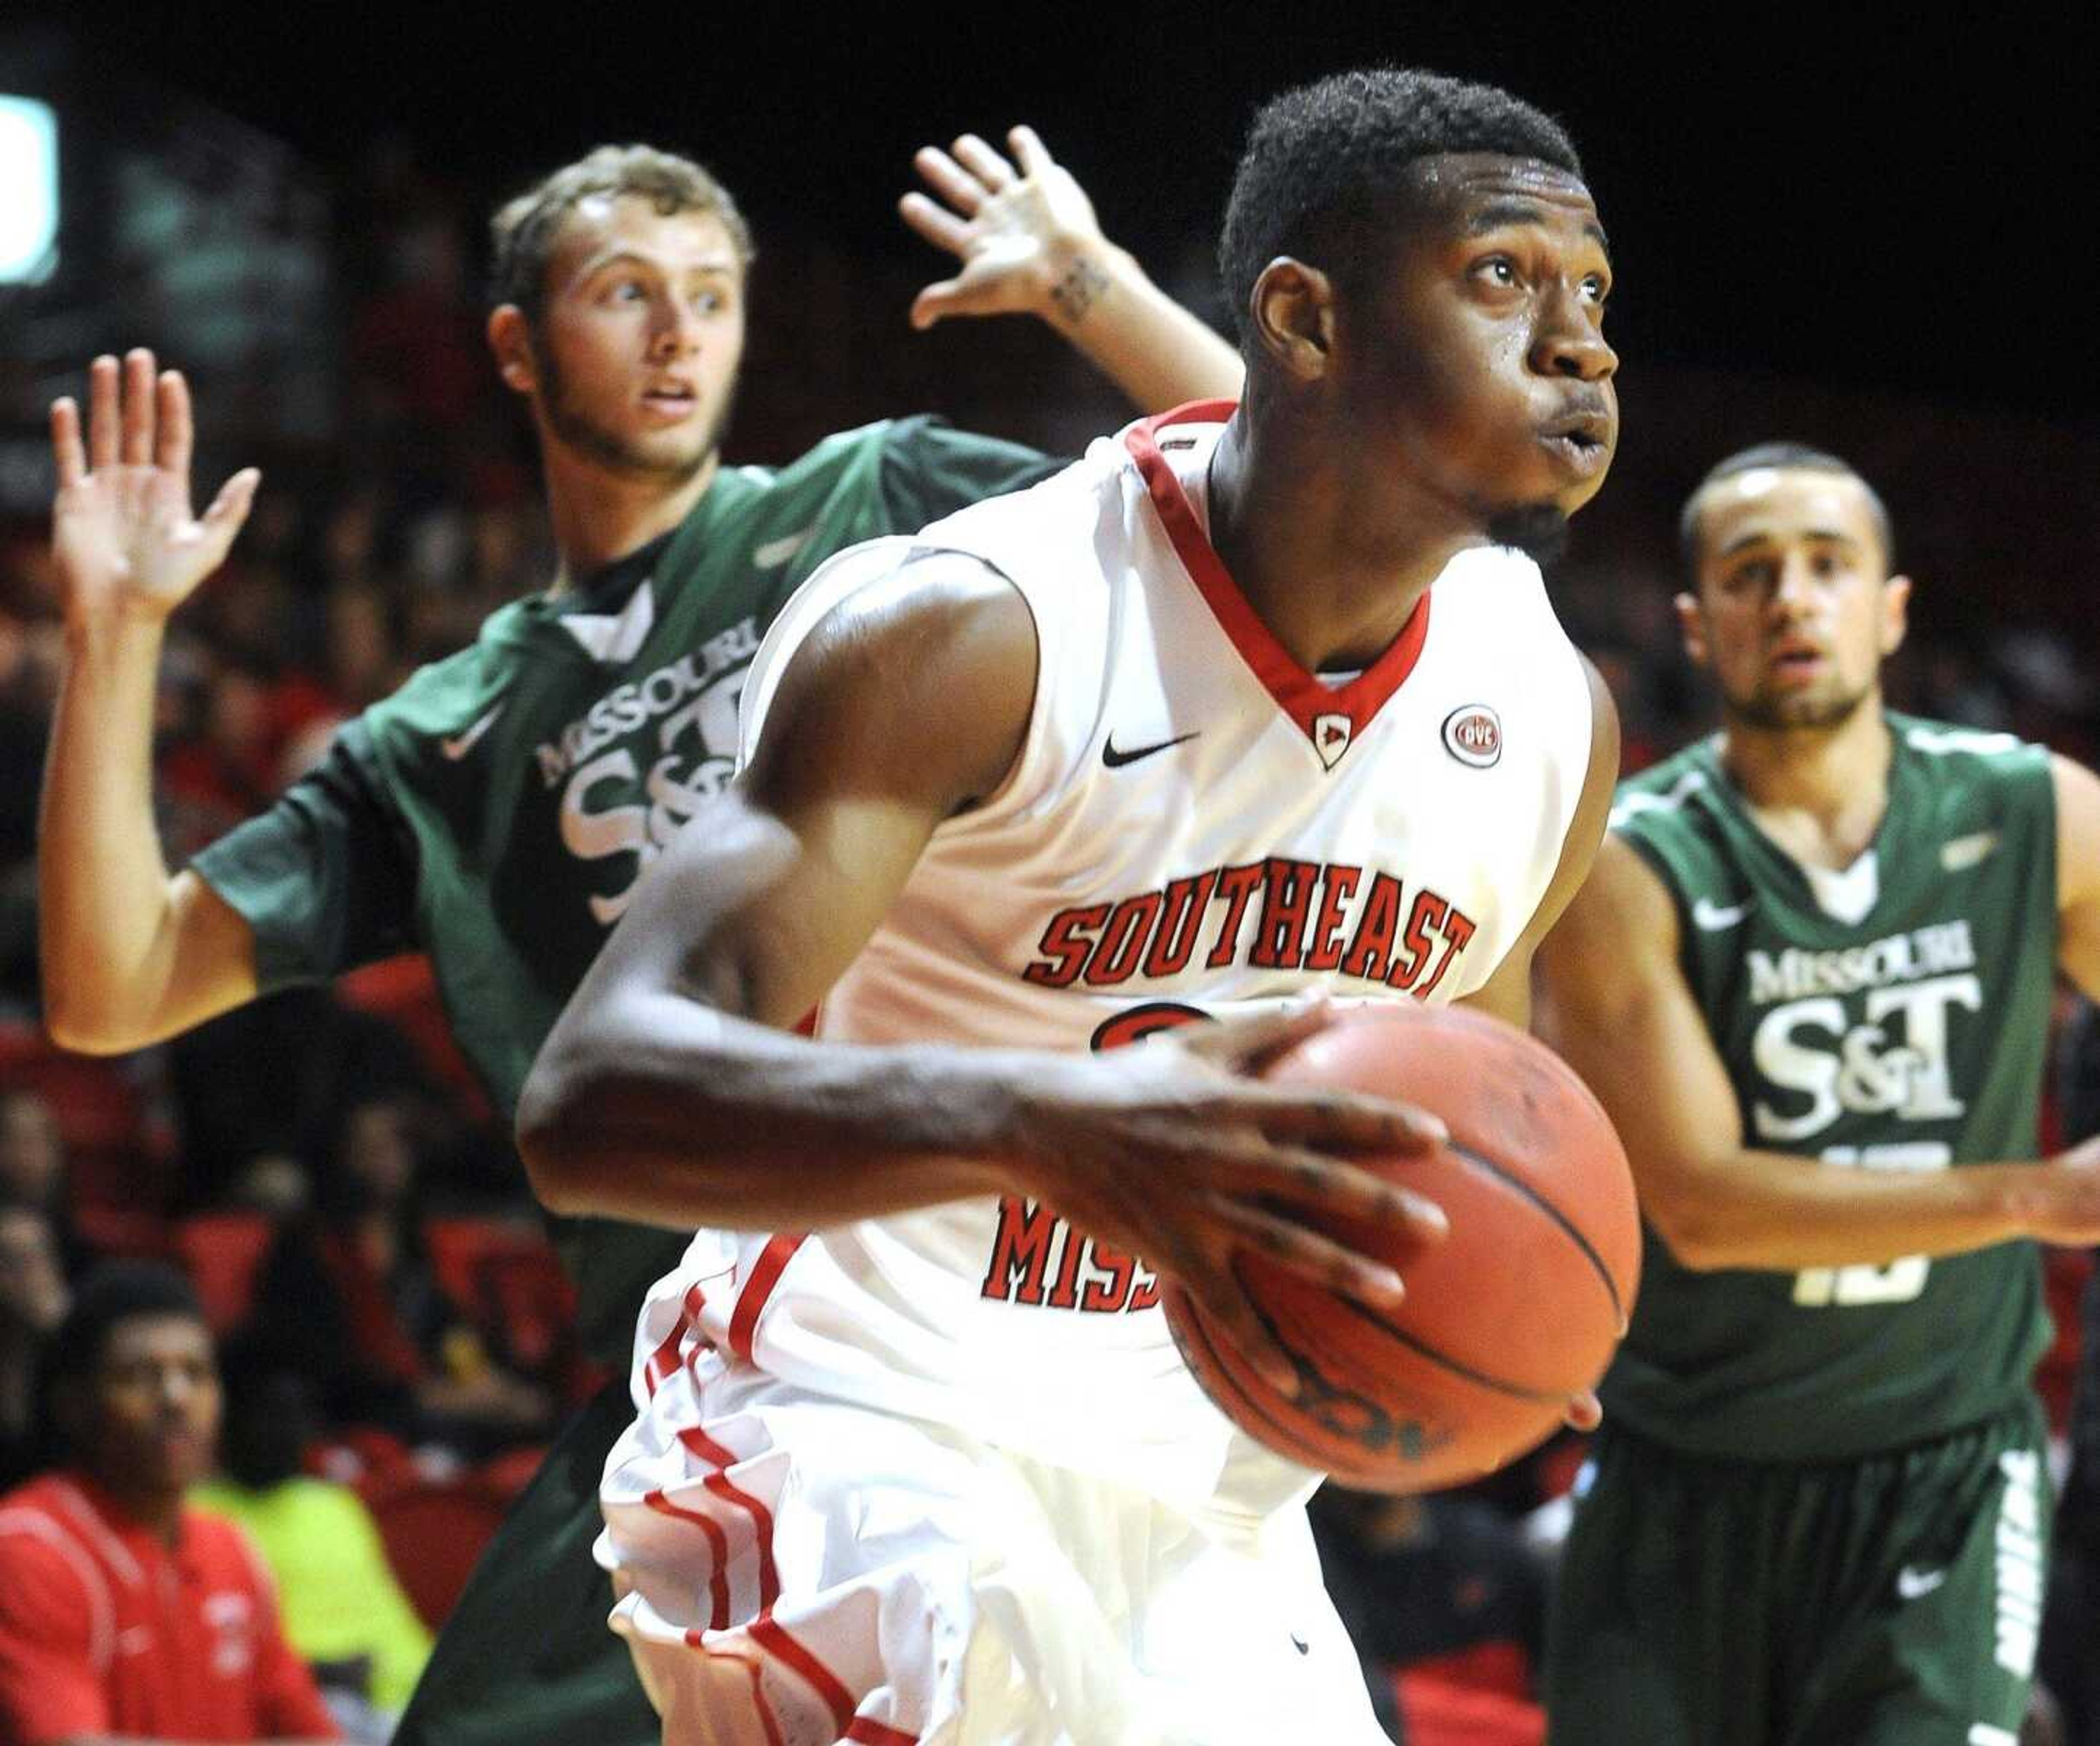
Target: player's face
153	1405
1480	362
636	347
1796	609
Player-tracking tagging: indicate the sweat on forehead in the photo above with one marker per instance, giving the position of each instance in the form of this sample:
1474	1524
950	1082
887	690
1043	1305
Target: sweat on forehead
1322	162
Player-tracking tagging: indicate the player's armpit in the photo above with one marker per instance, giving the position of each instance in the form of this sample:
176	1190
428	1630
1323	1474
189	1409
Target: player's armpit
2078	873
1507	993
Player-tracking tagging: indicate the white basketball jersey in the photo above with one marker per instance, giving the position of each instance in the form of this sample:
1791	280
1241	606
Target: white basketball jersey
1193	823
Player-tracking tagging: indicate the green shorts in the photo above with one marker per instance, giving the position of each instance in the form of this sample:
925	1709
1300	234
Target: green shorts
1893	1601
527	1658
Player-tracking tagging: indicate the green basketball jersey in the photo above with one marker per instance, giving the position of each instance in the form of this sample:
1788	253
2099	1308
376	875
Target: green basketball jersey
1909	1038
495	811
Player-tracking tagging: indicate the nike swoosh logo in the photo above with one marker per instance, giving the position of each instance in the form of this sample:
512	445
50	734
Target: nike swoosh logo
460	744
1966	851
1116	760
1709	917
776	553
1912	1584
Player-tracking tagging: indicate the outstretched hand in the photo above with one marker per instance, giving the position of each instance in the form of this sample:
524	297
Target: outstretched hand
1023	229
122	530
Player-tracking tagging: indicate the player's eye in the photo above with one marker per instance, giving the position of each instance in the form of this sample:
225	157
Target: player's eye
1497	269
1598	290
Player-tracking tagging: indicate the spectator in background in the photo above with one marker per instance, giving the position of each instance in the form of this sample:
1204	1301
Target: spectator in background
33	1301
351	1302
33	1171
343	1609
125	1614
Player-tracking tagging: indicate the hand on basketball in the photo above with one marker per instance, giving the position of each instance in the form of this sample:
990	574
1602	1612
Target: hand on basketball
1023	229
121	527
1172	1151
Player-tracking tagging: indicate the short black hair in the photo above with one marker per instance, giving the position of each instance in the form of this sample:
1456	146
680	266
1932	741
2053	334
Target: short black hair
1319	159
1777	457
115	1292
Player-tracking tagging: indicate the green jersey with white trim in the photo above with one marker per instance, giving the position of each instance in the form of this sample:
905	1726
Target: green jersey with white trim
495	811
1891	1017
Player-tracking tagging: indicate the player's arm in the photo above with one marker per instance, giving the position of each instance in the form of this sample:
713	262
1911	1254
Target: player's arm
1507	993
130	953
1615	1003
2078	873
1029	243
670	1091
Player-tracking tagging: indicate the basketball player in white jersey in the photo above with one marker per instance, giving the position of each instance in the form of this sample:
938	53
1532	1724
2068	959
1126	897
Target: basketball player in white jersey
1248	707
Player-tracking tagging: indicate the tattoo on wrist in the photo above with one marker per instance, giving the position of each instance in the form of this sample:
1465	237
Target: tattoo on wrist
1080	289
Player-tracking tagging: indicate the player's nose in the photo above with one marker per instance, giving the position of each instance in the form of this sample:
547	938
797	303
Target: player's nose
676	332
1569	342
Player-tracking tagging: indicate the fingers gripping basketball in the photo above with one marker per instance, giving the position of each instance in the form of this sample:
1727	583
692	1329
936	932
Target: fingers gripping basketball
1516	1312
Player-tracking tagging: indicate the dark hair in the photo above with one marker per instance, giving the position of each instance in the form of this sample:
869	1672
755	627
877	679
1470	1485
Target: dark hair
1319	159
1776	457
115	1291
522	234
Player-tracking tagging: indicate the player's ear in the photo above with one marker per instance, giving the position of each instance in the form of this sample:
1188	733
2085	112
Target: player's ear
510	338
1896	613
1691	627
1292	309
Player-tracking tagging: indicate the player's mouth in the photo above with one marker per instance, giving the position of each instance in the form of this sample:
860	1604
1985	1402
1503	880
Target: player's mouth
1581	441
1797	661
670	402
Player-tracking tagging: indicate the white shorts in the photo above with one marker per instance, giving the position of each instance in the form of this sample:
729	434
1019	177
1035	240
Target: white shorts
797	1571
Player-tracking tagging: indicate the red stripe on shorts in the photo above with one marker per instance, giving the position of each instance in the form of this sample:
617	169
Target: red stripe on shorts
664	1359
700	1444
768	1634
871	1733
717	1545
772	1261
766	1720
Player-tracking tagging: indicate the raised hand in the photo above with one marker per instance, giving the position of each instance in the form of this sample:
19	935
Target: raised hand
122	530
1023	229
1171	1150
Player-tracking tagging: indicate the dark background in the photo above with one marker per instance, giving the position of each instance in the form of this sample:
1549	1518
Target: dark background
1900	203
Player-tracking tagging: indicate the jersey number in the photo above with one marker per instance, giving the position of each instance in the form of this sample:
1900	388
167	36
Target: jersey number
1903	1278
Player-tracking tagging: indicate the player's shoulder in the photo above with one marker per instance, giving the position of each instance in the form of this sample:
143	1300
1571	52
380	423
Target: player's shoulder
1950	751
1674	815
30	1511
918	441
833	457
43	1533
1668	796
441	696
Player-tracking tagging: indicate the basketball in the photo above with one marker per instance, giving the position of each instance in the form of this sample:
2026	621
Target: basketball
1513	1313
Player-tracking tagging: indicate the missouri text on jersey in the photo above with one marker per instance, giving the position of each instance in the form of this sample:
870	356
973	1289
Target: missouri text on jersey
1308	916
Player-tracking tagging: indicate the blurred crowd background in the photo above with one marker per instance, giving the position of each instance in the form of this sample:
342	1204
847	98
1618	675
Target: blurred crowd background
391	1315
